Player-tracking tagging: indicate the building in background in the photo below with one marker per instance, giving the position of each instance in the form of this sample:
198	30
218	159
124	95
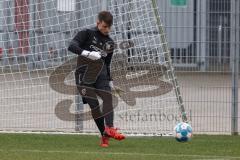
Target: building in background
200	32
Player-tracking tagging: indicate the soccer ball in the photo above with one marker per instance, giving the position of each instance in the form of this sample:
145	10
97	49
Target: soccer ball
183	132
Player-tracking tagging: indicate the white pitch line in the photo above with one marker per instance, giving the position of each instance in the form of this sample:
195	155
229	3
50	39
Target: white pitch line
123	153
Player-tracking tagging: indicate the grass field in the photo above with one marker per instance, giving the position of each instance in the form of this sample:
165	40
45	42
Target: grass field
78	147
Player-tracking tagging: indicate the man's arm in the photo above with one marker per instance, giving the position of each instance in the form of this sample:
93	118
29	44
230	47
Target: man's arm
108	64
77	42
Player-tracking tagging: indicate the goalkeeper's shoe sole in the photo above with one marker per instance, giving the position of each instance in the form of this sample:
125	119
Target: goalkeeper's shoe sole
113	133
104	141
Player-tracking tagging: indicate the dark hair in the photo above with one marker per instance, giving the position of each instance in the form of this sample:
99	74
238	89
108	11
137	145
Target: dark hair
106	17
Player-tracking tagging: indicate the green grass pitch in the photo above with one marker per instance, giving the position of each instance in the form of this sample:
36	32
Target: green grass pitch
80	147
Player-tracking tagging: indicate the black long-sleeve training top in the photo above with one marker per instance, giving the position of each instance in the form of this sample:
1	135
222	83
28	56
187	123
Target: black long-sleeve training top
93	40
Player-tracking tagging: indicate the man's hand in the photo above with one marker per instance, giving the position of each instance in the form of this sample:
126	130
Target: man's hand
91	55
115	89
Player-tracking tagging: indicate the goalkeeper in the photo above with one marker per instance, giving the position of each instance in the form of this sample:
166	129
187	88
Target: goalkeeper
94	48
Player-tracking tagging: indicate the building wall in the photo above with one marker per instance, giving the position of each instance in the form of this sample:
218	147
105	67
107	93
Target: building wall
196	31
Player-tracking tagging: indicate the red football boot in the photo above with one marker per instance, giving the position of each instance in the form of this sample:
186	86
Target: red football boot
104	141
113	133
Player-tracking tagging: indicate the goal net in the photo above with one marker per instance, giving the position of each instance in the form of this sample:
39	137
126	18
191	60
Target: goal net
38	91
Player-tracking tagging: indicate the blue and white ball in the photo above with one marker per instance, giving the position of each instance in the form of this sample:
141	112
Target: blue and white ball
183	132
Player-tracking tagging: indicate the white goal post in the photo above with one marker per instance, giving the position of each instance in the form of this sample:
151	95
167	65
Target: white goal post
38	91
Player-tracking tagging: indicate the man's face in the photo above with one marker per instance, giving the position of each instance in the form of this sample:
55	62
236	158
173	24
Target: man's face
103	27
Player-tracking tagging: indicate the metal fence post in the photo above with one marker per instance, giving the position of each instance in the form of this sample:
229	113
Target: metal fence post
78	100
235	67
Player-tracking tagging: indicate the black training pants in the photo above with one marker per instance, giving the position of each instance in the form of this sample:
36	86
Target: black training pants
90	92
